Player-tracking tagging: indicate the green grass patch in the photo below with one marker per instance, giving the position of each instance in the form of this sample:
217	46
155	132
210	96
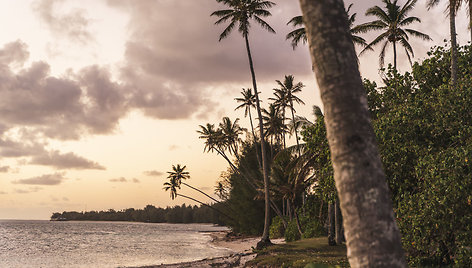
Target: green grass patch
314	251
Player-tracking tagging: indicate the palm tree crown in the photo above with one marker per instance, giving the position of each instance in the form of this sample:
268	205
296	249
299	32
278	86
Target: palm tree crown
240	14
392	21
178	174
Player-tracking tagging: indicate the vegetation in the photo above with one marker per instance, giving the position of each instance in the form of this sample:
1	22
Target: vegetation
150	213
392	21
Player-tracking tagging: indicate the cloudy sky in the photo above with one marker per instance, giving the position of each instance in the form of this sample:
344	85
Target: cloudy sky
99	98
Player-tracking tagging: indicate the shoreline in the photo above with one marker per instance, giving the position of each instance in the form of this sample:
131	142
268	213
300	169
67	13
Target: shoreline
242	246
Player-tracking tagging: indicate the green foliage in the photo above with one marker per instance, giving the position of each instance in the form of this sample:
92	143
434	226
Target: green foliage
312	227
291	233
424	130
277	229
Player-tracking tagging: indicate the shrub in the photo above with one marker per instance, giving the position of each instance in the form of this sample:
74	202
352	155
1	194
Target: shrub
291	233
277	229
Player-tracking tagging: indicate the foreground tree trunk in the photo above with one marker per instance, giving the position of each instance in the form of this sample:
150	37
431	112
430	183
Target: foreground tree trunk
372	236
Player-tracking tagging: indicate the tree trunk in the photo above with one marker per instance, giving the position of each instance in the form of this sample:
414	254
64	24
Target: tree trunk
258	155
394	55
265	169
331	225
372	236
200	191
452	24
299	226
295	129
320	216
470	20
338	223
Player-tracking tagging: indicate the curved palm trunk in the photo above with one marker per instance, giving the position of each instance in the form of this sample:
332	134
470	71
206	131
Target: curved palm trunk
452	25
295	129
265	169
470	19
394	55
201	203
200	191
255	139
372	236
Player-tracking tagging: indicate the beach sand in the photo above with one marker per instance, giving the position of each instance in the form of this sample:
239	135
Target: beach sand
242	246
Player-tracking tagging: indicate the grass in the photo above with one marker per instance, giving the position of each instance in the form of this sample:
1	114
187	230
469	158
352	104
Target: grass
314	252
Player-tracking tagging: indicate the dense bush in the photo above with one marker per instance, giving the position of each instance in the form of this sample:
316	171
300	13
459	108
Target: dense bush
291	233
277	229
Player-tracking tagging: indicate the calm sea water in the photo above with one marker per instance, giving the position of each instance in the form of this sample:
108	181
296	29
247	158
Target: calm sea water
102	244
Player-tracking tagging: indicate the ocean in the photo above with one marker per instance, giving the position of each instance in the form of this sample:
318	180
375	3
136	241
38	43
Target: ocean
103	244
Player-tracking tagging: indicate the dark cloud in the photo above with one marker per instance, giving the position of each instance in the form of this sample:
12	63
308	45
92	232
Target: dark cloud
153	173
86	102
47	179
121	179
171	64
14	52
4	169
72	25
64	161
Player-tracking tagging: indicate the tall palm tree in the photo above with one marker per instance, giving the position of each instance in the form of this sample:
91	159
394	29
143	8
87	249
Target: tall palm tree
372	236
299	34
453	7
178	174
273	124
392	22
288	89
241	13
248	101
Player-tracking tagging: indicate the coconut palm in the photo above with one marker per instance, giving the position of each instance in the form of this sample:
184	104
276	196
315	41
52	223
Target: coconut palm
392	22
288	89
221	191
372	236
177	175
240	13
274	126
231	132
299	34
248	101
453	7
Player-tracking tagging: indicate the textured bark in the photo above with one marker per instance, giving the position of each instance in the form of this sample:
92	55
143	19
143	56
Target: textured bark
394	55
265	169
372	236
452	25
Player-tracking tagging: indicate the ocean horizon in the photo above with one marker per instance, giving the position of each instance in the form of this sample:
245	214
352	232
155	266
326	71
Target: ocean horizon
43	243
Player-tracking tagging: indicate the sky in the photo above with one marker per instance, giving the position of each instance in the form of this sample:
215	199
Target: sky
99	98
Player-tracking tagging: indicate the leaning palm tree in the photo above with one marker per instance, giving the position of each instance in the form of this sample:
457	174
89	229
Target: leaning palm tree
299	34
392	22
248	101
288	89
178	174
173	184
453	7
231	132
372	236
240	14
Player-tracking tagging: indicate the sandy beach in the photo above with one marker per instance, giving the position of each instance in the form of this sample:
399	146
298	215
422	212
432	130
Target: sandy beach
242	246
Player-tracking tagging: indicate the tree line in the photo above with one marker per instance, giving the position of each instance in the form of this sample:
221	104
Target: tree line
150	213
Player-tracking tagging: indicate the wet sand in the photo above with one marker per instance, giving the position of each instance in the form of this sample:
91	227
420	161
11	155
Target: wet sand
242	246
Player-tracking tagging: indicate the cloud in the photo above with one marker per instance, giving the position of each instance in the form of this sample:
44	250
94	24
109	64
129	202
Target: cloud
4	169
30	190
171	66
173	147
121	179
153	173
3	192
73	25
65	161
136	180
47	179
14	52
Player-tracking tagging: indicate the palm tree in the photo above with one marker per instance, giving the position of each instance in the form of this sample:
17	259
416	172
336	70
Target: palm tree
221	191
240	13
274	126
453	7
248	101
372	236
288	89
178	174
173	184
299	34
231	132
392	21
